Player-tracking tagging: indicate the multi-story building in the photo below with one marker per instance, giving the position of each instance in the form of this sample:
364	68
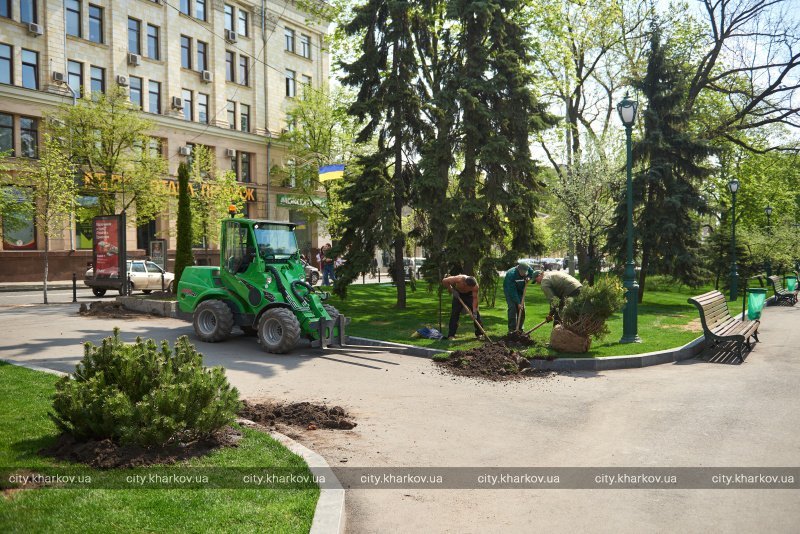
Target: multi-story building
221	73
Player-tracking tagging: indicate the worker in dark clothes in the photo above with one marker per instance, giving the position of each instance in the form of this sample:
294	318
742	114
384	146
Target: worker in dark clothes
513	288
560	285
465	287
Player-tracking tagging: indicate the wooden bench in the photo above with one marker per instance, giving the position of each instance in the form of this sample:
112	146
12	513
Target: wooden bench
780	293
720	325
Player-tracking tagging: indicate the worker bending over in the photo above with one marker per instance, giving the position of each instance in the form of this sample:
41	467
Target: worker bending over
465	287
558	284
514	288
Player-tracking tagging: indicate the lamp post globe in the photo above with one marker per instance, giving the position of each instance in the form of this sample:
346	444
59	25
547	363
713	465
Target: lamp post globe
627	113
733	187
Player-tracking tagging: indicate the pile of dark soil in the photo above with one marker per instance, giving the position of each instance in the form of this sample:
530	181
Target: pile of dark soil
305	414
105	454
518	339
492	361
105	308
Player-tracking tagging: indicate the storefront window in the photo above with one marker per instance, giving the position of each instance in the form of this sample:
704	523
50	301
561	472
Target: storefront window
19	232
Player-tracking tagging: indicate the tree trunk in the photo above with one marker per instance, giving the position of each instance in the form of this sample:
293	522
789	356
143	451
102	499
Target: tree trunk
399	190
46	264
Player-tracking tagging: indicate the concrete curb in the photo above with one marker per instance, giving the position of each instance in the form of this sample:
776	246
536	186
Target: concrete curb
329	513
409	350
35	368
38	287
164	308
329	516
690	350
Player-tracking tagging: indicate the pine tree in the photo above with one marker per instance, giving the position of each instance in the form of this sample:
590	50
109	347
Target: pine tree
666	192
183	249
386	78
497	189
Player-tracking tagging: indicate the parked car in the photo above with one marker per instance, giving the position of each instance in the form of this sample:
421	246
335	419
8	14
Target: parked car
312	273
418	263
145	276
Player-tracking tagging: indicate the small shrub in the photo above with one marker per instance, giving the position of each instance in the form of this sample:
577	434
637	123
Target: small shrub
141	394
586	314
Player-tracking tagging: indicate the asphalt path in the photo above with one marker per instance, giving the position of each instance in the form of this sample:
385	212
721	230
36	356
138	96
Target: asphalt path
705	412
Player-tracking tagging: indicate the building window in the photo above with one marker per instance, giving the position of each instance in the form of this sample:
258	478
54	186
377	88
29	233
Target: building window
228	17
305	46
229	68
200	9
202	108
243	23
30	69
155	147
29	137
5	8
73	18
232	114
98	80
244	117
185	7
134	36
152	42
6	133
202	56
186	52
288	35
306	88
135	84
95	24
244	167
291	83
188	112
235	165
75	76
22	234
154	97
6	70
244	70
27	11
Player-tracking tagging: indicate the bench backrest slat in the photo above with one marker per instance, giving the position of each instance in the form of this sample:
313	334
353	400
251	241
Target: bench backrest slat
713	309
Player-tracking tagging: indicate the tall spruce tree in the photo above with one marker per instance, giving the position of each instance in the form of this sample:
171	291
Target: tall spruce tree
497	188
385	76
666	192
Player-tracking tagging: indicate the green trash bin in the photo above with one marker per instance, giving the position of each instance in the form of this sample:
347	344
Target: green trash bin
756	297
791	283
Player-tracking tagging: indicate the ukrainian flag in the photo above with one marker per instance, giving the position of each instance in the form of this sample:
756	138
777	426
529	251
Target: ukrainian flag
331	172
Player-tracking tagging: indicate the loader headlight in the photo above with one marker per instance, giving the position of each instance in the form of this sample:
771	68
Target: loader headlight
269	280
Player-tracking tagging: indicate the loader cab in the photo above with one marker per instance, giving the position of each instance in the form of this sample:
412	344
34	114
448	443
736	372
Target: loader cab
247	242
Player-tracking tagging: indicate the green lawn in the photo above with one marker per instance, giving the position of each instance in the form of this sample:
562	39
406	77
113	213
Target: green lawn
25	429
666	320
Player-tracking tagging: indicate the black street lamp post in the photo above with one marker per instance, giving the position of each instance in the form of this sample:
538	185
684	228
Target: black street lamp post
768	263
733	186
627	114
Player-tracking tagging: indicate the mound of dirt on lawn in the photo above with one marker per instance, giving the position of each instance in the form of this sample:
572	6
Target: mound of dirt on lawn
304	414
110	309
492	361
105	454
518	339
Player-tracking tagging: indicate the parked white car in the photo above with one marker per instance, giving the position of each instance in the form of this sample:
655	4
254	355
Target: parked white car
145	276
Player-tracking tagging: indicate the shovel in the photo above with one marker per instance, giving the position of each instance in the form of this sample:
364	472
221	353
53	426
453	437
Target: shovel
536	327
473	317
522	305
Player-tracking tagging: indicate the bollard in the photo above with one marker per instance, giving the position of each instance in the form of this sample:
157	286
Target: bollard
162	280
74	287
128	286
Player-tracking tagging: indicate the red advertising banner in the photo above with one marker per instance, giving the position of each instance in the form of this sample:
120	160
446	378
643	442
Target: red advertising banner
107	239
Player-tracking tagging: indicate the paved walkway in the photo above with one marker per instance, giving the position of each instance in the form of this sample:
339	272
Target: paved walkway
694	413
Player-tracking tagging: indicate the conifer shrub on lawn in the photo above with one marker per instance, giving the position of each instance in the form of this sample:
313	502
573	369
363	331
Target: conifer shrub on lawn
143	394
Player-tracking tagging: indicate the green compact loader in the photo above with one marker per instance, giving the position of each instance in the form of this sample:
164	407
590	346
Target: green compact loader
260	287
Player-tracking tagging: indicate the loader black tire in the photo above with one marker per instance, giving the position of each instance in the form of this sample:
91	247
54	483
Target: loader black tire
333	312
278	330
212	321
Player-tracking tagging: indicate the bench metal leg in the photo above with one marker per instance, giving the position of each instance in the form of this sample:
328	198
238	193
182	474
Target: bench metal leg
741	346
